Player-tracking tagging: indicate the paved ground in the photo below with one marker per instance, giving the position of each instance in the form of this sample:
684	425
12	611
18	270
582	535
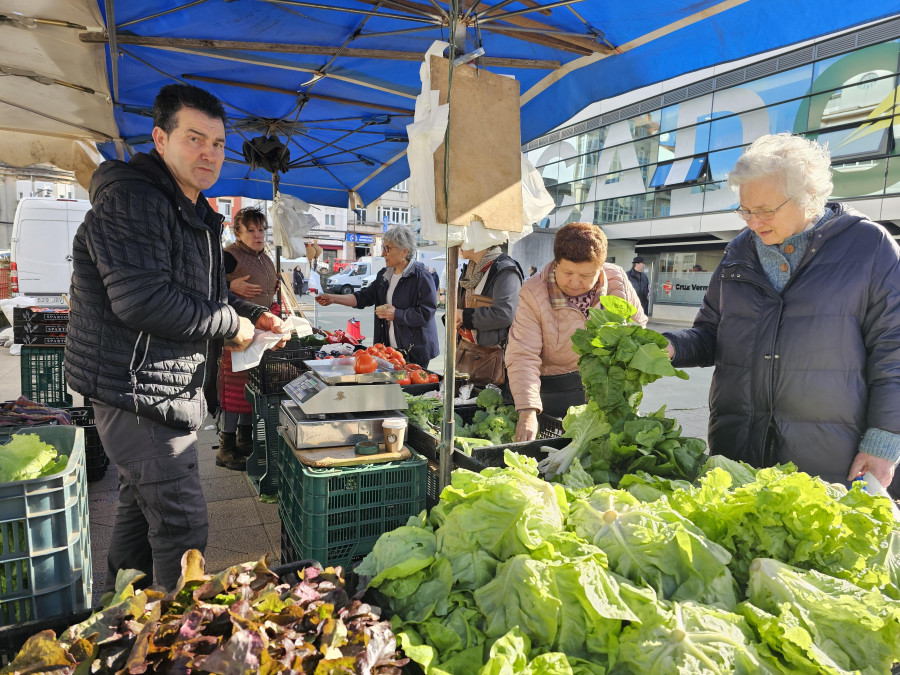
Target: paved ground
241	527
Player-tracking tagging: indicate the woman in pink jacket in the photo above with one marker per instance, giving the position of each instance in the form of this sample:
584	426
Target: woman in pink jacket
541	366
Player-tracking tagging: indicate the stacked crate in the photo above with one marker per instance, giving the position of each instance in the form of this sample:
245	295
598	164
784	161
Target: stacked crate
42	333
336	515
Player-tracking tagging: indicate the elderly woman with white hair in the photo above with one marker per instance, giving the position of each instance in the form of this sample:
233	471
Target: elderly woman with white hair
802	322
405	300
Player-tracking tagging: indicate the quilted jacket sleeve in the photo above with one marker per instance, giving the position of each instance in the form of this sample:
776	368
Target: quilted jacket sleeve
132	241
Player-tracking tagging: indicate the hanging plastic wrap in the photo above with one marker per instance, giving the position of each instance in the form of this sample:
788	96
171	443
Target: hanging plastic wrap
291	224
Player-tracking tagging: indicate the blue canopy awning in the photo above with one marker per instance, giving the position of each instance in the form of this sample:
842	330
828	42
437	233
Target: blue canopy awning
336	81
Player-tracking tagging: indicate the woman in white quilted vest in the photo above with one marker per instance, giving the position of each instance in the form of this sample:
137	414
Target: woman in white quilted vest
541	366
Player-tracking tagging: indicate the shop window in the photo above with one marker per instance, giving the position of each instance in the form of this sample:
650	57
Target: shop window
680	172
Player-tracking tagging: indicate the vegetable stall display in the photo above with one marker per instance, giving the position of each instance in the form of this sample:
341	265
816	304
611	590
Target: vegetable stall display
732	574
494	423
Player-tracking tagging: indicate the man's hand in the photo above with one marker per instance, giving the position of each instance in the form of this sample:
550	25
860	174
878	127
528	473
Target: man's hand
882	469
270	322
670	350
244	337
527	428
244	289
459	318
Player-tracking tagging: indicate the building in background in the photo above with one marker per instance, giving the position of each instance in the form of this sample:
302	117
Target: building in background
650	167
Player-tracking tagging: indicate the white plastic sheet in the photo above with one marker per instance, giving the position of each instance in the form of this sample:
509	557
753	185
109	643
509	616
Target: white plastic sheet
290	225
263	340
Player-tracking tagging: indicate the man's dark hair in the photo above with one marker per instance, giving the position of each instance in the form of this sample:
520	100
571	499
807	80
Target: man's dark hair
174	97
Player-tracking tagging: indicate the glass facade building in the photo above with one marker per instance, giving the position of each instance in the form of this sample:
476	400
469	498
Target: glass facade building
653	173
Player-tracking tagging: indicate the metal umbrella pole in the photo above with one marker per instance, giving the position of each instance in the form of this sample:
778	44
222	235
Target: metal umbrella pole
447	428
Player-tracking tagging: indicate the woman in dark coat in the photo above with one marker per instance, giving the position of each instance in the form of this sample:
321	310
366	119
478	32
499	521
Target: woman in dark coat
488	297
404	297
802	322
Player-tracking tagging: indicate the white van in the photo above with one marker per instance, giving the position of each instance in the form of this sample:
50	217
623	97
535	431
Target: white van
41	259
358	276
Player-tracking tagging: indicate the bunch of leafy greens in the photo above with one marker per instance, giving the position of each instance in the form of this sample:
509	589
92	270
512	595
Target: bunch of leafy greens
240	622
656	546
617	359
26	456
817	623
795	518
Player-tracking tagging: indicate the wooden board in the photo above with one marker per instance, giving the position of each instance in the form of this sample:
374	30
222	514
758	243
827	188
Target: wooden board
485	165
346	456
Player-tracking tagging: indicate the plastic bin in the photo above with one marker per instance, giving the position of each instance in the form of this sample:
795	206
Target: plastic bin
280	367
262	465
335	515
43	379
45	547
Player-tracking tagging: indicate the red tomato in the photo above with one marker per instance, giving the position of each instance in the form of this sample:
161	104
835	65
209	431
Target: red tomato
413	366
433	378
404	379
365	363
419	377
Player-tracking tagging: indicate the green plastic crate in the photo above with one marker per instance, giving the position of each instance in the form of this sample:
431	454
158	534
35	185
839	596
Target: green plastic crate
43	377
262	465
335	515
45	540
343	553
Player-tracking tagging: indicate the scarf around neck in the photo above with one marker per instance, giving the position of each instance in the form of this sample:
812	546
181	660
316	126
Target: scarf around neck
476	271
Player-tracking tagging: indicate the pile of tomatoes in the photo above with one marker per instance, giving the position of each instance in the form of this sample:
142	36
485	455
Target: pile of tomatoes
364	361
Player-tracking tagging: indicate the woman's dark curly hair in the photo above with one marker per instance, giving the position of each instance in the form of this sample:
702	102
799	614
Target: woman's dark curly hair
580	242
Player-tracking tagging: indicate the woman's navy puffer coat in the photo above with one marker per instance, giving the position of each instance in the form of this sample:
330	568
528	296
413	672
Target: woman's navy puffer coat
800	376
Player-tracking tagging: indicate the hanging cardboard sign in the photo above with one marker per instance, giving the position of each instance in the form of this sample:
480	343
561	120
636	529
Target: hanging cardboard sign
485	167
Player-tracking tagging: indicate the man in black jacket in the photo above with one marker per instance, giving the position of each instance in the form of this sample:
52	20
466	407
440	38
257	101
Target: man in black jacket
149	310
640	282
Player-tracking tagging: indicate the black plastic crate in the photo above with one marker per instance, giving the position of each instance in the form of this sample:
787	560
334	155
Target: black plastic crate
280	367
96	460
33	315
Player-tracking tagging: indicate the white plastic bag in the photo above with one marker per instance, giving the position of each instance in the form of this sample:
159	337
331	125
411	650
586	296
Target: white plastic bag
290	225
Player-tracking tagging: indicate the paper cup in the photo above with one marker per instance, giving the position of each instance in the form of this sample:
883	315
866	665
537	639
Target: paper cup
394	433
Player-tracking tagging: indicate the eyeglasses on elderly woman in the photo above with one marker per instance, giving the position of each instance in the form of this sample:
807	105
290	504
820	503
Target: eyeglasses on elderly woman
761	214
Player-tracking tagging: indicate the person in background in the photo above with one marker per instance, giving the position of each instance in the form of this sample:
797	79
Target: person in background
149	312
404	297
435	277
640	282
488	297
298	280
802	322
532	270
697	268
251	275
553	304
